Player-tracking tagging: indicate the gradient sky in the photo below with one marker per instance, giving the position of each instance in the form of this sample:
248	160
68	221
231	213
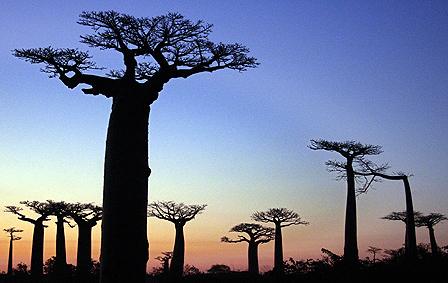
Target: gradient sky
372	71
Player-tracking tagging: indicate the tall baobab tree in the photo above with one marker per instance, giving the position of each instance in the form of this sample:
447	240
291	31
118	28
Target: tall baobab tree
154	51
371	169
374	251
178	214
429	221
354	154
60	210
86	216
256	235
281	217
11	231
37	249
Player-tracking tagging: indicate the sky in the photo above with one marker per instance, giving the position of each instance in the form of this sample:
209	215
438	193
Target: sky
371	71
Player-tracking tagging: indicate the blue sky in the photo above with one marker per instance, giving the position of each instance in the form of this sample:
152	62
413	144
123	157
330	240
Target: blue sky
376	72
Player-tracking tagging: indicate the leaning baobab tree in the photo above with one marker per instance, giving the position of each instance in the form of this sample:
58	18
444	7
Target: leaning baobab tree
11	231
374	251
179	214
429	221
403	217
37	249
154	51
257	234
86	216
281	217
354	154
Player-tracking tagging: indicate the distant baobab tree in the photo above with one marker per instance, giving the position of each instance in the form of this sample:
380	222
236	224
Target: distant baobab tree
281	217
60	210
179	214
86	216
371	169
354	154
256	235
11	231
374	251
165	261
402	216
37	249
154	51
429	221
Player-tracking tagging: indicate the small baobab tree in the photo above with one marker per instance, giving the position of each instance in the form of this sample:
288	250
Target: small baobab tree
354	154
179	214
37	249
256	235
154	51
281	217
164	261
402	216
374	251
11	231
86	216
429	221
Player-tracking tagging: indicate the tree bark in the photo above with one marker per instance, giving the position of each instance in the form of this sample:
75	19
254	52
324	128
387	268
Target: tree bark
350	243
37	252
177	261
411	241
253	258
432	240
84	253
278	249
125	192
60	264
10	257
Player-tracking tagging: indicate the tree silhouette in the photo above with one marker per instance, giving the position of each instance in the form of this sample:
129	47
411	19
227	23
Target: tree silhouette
374	251
179	214
60	210
281	217
86	216
257	234
429	221
37	249
371	169
11	231
154	51
354	154
403	216
165	261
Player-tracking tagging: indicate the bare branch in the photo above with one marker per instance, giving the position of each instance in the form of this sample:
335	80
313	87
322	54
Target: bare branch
177	213
256	233
281	216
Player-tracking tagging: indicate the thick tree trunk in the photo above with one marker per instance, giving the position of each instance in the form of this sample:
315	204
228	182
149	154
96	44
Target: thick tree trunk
37	252
124	243
278	249
60	264
177	261
84	253
10	257
253	258
432	240
350	242
411	241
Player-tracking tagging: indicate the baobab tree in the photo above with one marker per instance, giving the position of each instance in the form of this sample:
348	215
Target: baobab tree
429	221
86	216
354	154
403	216
256	235
165	261
371	169
37	249
178	214
281	217
60	210
154	51
11	231
374	251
